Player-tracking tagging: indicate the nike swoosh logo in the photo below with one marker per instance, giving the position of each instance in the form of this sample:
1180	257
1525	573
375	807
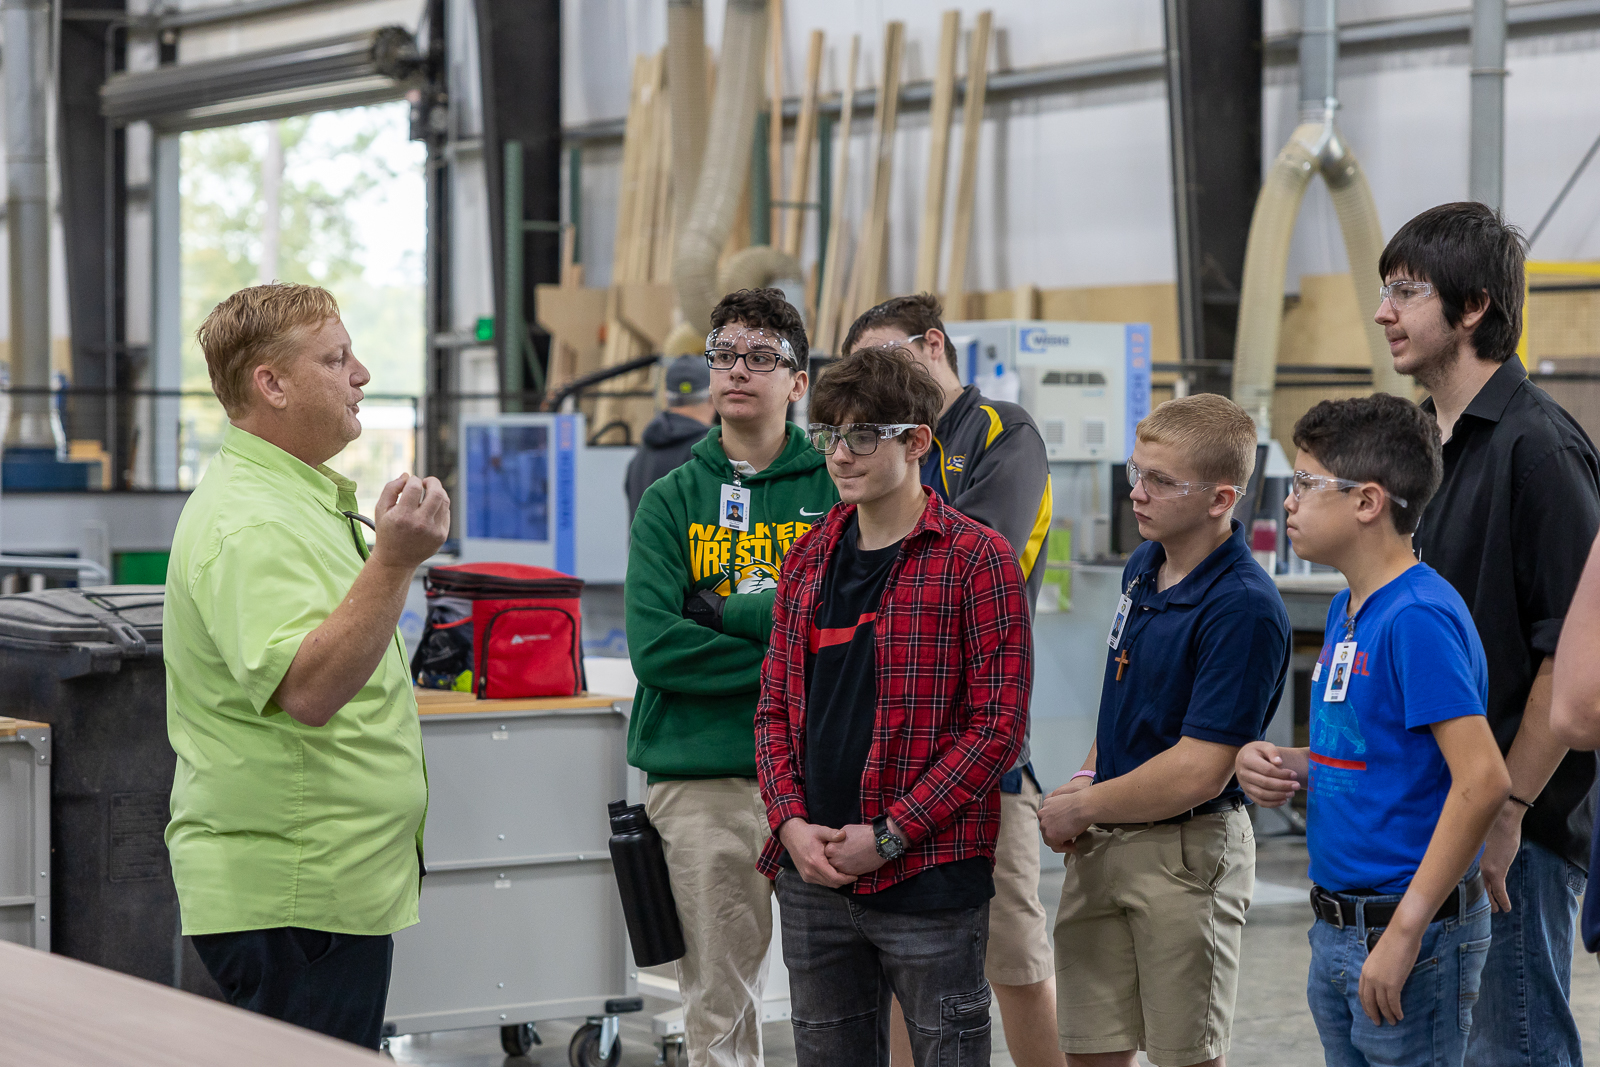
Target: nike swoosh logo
811	514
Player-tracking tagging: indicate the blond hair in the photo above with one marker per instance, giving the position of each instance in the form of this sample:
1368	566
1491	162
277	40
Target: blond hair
1211	431
261	324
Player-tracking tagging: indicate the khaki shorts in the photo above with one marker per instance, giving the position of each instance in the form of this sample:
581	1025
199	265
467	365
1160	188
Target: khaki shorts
1147	938
1019	937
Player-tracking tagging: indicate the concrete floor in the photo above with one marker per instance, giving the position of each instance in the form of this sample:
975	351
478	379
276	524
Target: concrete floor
1271	1029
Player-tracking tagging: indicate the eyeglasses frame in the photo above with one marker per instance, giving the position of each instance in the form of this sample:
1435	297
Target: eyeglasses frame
1328	482
885	431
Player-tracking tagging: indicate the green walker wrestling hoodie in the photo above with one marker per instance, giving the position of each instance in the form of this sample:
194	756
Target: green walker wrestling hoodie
694	713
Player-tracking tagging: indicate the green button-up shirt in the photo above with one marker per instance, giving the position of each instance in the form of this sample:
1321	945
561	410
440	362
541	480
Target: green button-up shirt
275	823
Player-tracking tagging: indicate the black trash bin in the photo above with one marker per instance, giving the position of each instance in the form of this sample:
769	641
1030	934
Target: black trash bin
88	662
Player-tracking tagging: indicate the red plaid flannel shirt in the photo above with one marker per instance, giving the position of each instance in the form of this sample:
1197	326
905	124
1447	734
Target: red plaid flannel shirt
955	668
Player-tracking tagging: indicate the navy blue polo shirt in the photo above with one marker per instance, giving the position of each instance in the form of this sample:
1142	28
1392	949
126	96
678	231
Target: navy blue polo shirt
1205	658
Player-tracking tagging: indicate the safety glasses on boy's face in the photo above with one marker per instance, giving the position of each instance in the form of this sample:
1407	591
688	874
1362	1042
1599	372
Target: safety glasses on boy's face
1402	292
859	437
1160	487
1304	483
764	349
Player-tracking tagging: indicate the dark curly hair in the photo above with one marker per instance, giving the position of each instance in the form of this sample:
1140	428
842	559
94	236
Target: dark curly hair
915	314
765	309
883	384
1378	438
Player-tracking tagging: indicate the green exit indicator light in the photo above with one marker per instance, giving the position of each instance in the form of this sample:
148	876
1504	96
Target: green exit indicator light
485	329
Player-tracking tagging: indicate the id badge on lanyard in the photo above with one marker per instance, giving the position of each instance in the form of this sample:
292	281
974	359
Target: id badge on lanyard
1119	621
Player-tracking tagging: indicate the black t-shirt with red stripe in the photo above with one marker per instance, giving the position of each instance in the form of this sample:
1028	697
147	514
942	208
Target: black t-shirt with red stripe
841	714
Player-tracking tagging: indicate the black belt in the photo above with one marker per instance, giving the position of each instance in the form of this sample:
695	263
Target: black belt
1339	909
1210	807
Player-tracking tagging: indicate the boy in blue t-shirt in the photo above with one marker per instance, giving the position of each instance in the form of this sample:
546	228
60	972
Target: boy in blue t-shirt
1403	775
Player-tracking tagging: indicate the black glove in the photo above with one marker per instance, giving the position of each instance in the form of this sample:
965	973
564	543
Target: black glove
705	608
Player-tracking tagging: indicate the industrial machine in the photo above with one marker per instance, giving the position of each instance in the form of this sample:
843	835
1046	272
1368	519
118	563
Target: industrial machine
533	491
1087	384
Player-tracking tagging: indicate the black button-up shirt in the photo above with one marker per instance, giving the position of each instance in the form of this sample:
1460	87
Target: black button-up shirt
1510	528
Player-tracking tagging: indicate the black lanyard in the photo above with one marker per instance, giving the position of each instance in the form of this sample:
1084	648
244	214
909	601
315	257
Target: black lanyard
355	532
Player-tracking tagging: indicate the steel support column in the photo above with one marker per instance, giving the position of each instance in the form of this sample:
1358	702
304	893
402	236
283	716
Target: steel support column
519	49
1214	61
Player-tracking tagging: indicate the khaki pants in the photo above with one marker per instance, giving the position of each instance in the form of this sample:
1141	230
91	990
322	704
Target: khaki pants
1147	938
713	831
1019	936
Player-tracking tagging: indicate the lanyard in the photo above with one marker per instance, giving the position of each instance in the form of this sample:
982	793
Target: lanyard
355	532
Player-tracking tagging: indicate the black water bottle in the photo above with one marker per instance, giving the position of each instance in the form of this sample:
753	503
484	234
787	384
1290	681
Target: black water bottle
647	904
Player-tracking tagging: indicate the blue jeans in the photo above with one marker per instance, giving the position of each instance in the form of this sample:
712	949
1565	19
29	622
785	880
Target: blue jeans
845	960
1437	1000
1525	1019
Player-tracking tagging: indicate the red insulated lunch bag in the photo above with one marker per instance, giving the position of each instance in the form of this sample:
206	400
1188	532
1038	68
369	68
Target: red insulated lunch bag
527	628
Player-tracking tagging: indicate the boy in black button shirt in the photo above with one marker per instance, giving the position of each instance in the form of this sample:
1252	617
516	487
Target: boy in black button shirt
1510	528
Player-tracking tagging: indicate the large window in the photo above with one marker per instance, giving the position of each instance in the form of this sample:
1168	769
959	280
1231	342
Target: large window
335	199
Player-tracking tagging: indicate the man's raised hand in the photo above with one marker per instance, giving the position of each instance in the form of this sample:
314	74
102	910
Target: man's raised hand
413	520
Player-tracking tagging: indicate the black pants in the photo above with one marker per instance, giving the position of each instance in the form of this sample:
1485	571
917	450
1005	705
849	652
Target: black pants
335	984
845	960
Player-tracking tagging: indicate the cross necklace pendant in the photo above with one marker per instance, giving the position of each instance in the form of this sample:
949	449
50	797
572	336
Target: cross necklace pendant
1122	663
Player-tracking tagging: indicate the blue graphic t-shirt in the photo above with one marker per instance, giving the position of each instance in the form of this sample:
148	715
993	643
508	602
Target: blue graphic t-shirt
1378	778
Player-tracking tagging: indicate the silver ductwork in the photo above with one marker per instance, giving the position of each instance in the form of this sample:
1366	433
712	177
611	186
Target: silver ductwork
26	25
1315	147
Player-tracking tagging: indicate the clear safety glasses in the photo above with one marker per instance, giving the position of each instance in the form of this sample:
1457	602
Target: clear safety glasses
1304	483
1400	293
859	437
1160	487
764	349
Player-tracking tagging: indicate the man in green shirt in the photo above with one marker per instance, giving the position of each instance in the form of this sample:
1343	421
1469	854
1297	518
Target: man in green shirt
299	796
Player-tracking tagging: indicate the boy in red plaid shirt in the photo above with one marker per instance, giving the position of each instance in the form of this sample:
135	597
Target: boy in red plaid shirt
893	698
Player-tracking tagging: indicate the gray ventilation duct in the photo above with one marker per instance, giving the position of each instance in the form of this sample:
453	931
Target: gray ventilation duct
1315	147
363	68
726	165
26	25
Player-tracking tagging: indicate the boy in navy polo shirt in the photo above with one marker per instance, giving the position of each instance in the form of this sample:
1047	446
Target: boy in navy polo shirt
1403	774
1161	859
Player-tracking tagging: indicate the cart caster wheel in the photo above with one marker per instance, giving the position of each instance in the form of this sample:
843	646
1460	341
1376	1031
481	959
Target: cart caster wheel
519	1039
585	1049
673	1054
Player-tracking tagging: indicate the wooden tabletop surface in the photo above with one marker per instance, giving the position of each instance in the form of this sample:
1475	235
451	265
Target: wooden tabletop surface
63	1013
9	726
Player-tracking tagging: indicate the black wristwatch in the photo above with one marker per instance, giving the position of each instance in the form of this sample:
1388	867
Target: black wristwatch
886	841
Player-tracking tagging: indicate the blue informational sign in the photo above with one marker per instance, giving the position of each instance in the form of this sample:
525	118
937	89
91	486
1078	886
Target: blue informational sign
1137	339
508	482
566	493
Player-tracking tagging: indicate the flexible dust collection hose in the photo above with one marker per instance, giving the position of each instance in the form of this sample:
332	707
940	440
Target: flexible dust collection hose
726	165
760	267
1363	245
1266	262
1315	146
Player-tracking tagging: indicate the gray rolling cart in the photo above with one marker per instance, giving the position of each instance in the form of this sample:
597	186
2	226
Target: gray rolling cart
521	922
25	833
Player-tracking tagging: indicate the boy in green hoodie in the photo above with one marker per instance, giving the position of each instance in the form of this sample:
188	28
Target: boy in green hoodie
705	548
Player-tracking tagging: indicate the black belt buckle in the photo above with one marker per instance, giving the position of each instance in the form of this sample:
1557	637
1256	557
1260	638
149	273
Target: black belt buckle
1326	907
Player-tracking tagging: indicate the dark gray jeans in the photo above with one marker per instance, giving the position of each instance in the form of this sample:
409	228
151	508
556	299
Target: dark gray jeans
845	961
